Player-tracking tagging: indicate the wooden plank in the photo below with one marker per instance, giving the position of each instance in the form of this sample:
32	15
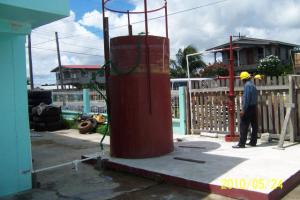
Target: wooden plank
193	109
220	111
280	80
263	88
281	110
198	111
286	80
276	114
259	114
265	114
202	110
215	112
225	113
268	80
270	113
210	112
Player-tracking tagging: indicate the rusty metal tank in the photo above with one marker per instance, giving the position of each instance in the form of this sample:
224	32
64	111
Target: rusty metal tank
139	91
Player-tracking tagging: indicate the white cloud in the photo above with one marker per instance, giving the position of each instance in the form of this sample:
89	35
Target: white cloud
92	19
204	27
73	37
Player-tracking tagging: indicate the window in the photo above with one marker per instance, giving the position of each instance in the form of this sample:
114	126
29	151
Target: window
94	76
287	54
73	75
250	56
84	73
260	53
67	74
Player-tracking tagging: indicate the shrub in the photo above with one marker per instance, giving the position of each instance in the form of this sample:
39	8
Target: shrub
271	66
216	69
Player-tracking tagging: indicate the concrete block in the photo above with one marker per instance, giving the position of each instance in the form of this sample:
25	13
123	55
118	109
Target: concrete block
265	138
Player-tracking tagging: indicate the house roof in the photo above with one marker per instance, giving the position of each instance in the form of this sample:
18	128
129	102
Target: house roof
86	67
253	41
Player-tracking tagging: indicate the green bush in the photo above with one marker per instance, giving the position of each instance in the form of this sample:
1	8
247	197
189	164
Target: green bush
101	129
216	69
70	124
271	66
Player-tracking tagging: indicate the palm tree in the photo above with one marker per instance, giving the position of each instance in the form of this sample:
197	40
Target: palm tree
178	66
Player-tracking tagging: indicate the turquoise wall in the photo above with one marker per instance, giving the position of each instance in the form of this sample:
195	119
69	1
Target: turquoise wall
15	153
17	17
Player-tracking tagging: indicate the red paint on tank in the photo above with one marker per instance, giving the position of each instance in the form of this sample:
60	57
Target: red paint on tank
136	130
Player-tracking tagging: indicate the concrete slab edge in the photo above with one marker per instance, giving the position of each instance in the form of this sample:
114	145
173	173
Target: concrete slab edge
210	188
288	186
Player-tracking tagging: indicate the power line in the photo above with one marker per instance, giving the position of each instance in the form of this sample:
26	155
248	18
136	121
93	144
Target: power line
72	52
82	46
174	13
68	37
137	22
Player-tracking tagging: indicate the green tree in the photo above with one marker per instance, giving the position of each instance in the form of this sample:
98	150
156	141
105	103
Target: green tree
179	66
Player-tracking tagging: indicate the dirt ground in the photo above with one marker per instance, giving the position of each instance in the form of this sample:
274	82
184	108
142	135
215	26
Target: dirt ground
90	184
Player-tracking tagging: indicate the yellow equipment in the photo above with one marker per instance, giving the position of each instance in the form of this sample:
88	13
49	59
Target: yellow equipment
258	77
244	75
99	118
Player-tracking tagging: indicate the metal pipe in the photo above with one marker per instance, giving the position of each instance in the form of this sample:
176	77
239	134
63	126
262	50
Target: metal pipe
146	17
231	91
129	25
166	19
190	90
30	63
74	162
147	58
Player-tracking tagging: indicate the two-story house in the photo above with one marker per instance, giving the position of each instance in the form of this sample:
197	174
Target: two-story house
78	75
251	50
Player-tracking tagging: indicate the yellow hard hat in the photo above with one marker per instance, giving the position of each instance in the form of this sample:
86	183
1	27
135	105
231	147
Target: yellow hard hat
244	75
258	77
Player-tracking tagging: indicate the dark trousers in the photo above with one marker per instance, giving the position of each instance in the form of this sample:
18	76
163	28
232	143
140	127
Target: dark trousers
250	117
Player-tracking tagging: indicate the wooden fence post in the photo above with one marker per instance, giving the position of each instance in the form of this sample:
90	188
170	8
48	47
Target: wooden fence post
291	99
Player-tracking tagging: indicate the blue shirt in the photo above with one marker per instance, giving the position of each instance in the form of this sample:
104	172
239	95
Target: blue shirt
249	96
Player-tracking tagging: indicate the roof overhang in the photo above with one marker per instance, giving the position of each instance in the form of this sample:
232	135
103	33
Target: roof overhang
252	41
30	13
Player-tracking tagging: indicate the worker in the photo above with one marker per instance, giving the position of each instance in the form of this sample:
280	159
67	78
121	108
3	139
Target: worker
258	77
249	112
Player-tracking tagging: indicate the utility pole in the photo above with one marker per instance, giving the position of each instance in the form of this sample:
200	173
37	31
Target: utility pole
59	62
30	62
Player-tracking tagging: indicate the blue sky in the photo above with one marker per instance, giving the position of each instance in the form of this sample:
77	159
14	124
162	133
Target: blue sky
80	7
204	27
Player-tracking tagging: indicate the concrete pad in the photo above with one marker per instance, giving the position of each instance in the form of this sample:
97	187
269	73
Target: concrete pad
254	172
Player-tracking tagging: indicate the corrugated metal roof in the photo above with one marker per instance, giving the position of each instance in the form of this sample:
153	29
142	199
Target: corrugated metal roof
91	67
252	41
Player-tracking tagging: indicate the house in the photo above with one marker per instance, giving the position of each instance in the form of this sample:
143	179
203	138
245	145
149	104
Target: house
251	50
78	75
296	59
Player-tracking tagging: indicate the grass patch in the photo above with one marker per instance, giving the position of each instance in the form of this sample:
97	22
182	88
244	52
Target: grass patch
101	129
70	124
73	124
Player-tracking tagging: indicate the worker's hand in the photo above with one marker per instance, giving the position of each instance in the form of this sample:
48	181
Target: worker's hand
242	114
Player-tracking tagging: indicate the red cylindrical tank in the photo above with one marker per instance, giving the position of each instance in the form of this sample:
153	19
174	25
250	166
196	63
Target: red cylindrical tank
141	120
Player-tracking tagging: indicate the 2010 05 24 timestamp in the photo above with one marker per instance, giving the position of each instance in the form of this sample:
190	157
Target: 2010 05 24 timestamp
251	183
